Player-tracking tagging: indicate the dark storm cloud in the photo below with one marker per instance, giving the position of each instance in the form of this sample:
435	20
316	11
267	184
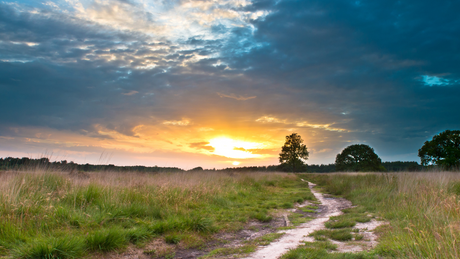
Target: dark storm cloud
356	65
363	59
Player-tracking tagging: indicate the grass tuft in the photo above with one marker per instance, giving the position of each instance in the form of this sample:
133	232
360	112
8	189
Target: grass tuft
51	248
261	216
106	240
336	234
173	239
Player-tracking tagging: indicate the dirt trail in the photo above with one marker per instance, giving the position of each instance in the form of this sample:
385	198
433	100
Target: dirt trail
295	237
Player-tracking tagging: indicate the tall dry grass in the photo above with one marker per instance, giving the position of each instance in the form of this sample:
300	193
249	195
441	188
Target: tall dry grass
423	209
103	211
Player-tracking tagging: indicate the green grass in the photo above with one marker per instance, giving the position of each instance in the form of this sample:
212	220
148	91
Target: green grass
321	250
241	250
422	210
297	219
348	219
344	223
173	239
267	239
336	234
262	216
358	237
109	211
106	240
51	248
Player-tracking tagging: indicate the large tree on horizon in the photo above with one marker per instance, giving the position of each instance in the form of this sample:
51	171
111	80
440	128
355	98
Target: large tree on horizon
358	157
442	150
293	153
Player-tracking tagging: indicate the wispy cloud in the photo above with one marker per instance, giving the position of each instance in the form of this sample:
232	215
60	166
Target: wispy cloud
436	81
183	122
131	93
202	145
236	97
300	124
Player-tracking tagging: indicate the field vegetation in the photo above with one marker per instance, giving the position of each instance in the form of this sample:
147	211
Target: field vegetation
60	215
422	211
55	214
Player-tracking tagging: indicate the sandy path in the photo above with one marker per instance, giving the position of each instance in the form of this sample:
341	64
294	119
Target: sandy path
294	237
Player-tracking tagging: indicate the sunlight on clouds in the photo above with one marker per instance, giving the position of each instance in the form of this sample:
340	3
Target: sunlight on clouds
130	93
205	129
227	147
236	97
270	119
164	30
165	19
183	122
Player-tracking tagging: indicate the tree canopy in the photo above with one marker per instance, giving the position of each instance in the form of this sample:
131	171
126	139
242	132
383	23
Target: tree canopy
442	150
358	157
293	153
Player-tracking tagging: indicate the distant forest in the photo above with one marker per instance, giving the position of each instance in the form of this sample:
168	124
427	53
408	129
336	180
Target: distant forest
10	163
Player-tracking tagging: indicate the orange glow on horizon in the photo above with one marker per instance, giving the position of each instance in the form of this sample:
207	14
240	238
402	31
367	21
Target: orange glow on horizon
231	148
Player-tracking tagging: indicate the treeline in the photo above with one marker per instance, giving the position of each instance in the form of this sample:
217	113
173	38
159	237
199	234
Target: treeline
397	166
10	163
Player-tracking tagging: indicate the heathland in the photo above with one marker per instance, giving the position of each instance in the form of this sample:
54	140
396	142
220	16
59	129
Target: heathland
60	215
54	214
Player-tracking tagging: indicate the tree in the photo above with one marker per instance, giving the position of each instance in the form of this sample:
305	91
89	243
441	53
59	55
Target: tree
442	150
293	153
358	157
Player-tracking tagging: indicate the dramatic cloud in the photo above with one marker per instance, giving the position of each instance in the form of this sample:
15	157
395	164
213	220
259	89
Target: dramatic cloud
154	82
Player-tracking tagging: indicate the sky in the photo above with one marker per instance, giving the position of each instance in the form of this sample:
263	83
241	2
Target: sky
221	83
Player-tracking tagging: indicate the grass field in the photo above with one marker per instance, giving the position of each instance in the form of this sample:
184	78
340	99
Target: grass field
423	211
57	215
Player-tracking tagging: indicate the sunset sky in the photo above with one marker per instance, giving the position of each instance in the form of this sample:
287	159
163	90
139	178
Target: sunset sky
219	83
